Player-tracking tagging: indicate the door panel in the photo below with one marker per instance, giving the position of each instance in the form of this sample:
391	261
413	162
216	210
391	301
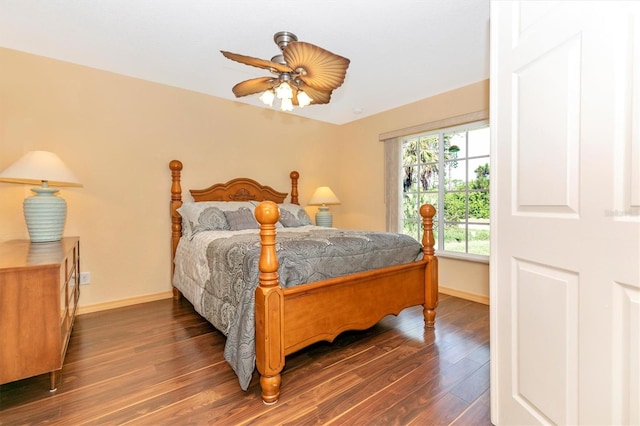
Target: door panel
565	248
546	336
552	80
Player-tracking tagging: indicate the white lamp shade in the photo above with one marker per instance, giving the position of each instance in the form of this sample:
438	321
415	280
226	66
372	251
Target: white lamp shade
303	99
286	105
38	166
324	195
284	91
267	97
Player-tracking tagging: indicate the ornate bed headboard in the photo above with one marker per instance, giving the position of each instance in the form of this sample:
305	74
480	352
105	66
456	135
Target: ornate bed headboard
239	189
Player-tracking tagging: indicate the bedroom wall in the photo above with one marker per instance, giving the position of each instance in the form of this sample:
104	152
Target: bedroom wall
118	134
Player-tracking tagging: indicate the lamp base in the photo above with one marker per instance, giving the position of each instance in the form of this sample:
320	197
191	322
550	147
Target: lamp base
324	217
45	215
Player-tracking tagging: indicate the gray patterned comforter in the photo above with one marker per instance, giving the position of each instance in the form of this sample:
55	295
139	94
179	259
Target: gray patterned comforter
226	298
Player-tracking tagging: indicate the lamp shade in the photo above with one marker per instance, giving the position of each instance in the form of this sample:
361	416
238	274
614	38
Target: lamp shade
38	166
323	196
45	213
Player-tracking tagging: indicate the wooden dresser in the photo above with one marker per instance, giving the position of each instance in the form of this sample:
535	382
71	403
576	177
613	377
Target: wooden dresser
39	291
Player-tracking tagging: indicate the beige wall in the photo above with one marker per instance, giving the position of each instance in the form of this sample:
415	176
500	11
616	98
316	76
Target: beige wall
118	134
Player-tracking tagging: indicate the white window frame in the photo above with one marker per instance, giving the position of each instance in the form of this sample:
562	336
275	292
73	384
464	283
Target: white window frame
394	170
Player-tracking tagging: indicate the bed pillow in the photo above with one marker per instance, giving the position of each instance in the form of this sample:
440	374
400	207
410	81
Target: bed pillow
207	215
292	215
242	218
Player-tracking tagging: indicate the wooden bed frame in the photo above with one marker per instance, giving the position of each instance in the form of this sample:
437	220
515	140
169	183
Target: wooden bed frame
290	319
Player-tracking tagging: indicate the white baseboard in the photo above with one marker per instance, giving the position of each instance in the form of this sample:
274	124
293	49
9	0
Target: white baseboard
464	295
124	302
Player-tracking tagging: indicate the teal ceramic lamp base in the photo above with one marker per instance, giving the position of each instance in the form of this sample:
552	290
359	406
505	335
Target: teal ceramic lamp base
44	212
45	215
324	217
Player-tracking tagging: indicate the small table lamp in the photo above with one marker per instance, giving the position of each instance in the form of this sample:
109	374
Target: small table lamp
44	212
323	196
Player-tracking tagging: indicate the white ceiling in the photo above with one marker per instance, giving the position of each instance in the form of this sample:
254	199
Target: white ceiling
401	51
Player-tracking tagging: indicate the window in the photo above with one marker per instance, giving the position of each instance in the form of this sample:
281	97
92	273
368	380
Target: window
449	168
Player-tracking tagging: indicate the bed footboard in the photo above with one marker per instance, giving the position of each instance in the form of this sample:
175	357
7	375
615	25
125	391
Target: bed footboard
291	319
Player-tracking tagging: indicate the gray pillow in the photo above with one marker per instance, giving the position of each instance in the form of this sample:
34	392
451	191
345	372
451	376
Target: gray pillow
292	215
241	219
209	219
199	216
288	220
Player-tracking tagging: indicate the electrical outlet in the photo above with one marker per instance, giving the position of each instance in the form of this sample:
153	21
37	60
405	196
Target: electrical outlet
85	278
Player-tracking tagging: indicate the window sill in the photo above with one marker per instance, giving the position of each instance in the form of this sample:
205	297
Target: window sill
463	256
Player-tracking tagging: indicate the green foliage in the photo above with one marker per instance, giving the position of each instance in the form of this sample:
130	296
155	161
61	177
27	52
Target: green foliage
462	200
455	240
479	205
482	178
454	233
455	202
455	206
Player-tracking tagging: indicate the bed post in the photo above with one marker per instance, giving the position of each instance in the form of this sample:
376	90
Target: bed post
427	211
294	186
176	219
269	306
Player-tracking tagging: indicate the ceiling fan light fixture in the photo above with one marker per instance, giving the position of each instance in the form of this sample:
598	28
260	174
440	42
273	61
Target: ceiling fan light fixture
304	74
303	99
284	91
286	105
267	97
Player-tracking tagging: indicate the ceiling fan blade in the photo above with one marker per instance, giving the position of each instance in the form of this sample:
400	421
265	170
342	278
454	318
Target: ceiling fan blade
319	68
255	62
317	96
255	85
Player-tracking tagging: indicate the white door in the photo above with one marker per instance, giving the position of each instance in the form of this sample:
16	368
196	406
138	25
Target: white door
565	274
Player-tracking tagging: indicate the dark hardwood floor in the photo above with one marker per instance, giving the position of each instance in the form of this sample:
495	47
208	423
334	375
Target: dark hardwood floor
161	363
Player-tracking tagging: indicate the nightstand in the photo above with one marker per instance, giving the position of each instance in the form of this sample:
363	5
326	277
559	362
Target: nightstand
39	291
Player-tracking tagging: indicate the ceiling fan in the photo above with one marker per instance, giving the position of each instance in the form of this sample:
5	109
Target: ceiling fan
303	73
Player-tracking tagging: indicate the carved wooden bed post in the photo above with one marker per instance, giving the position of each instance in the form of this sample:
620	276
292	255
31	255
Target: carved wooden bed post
294	186
176	220
427	211
269	307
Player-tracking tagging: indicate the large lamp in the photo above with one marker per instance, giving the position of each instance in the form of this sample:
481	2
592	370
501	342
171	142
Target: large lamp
323	196
44	212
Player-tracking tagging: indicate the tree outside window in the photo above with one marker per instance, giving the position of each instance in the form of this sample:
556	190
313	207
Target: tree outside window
449	168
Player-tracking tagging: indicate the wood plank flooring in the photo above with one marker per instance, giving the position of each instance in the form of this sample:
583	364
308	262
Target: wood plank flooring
160	363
